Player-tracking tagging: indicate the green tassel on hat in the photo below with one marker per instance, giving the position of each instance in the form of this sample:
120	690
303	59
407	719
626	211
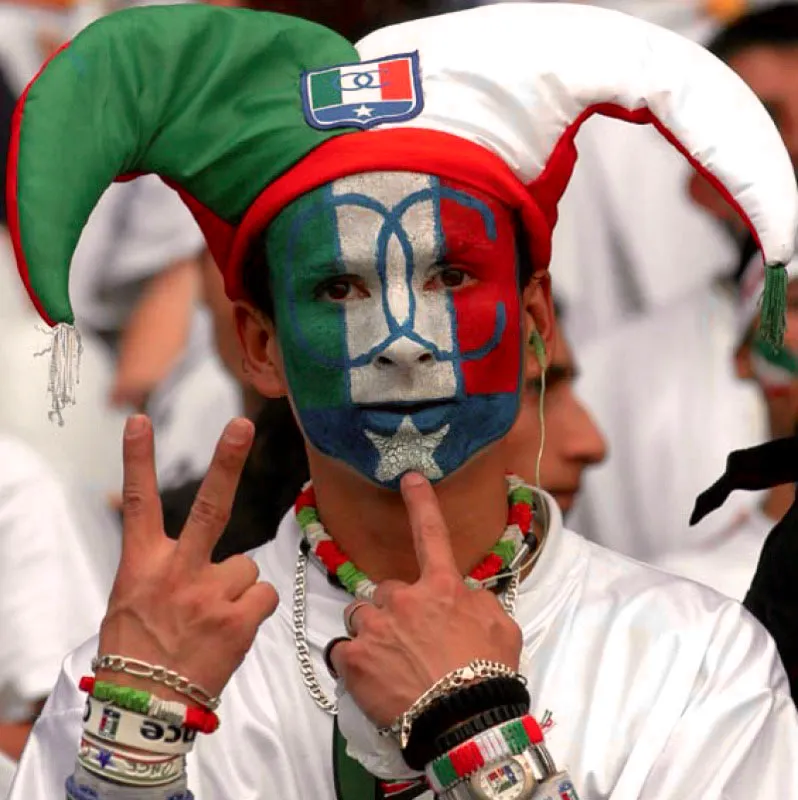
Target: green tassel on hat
774	305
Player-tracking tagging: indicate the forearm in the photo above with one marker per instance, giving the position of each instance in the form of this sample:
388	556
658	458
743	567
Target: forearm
13	736
156	334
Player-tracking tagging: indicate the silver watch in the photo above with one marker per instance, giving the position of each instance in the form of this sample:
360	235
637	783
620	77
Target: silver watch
512	778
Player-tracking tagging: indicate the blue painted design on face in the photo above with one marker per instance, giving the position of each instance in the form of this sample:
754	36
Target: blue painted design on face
406	405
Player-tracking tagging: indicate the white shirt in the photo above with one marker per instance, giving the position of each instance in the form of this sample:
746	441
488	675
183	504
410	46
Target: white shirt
660	689
58	555
664	392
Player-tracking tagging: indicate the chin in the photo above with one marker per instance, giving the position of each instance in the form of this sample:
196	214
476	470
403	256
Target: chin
565	500
383	442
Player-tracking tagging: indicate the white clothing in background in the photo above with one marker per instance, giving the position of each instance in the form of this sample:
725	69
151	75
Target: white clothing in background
728	561
137	230
59	550
664	392
660	689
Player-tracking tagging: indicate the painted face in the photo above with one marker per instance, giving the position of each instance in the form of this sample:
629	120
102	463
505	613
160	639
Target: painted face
398	314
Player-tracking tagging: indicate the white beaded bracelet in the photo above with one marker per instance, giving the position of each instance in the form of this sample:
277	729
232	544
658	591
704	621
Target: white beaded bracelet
128	768
108	723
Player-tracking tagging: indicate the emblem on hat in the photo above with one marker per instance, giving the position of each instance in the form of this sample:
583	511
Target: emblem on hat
363	94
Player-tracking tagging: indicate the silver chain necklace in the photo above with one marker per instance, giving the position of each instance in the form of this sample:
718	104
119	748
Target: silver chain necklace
307	670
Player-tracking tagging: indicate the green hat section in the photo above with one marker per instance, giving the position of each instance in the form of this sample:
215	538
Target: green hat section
209	98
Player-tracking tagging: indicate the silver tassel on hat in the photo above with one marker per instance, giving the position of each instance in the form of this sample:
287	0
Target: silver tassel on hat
65	351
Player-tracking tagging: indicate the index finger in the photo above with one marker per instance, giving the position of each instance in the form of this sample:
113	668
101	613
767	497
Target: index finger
430	534
142	518
210	511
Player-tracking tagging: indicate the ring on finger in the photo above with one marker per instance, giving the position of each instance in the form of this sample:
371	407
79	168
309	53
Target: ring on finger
350	613
328	652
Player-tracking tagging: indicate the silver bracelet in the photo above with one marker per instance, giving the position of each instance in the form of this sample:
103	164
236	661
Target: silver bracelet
475	671
158	674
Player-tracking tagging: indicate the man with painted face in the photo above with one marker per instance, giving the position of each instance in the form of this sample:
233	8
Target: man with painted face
382	216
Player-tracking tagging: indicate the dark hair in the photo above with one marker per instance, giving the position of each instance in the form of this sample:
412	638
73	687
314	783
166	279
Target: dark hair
6	111
775	26
273	476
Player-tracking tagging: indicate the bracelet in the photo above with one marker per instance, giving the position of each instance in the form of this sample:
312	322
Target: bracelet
478	724
476	670
85	786
159	674
495	744
126	767
450	712
110	724
195	719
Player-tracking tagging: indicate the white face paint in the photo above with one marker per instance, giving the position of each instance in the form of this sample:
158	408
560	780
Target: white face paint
395	270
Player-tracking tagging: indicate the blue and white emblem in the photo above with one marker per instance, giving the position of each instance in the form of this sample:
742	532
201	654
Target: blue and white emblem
363	94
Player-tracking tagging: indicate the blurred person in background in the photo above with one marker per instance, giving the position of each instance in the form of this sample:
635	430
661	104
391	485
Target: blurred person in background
147	343
59	549
728	560
670	420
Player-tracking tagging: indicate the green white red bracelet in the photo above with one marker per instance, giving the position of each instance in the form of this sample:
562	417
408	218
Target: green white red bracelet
510	739
194	719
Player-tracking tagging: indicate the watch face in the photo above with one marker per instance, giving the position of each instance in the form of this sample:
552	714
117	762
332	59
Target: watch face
508	780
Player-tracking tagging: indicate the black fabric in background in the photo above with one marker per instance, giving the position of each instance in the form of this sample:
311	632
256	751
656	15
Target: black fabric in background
773	595
7	102
273	476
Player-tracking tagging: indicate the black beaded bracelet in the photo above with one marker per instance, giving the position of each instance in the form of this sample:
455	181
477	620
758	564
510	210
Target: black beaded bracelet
450	712
479	724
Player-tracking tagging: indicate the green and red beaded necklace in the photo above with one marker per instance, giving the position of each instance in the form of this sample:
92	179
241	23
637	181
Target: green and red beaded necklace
517	541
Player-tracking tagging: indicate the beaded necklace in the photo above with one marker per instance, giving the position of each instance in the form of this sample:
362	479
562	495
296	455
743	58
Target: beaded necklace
517	541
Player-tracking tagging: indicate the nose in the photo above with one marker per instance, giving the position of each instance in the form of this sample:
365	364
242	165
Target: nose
403	353
587	445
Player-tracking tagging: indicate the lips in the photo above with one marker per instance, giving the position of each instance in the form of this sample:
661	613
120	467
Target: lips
427	416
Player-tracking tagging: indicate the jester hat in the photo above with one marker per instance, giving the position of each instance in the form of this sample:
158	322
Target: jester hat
242	112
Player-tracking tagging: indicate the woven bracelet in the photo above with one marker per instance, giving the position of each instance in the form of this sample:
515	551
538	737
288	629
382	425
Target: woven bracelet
195	719
495	744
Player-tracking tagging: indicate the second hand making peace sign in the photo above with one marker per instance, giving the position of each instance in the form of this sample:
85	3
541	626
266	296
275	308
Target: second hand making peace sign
415	634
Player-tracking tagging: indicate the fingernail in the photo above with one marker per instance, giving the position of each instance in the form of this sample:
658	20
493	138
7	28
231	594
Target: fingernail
238	431
413	479
135	426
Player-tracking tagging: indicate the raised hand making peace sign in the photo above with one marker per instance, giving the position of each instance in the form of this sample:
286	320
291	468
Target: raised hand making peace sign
170	605
414	634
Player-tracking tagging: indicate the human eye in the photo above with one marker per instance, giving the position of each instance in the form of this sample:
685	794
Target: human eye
341	289
451	278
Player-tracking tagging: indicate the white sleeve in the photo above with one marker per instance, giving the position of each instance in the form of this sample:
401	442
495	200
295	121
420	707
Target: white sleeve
52	747
737	738
51	597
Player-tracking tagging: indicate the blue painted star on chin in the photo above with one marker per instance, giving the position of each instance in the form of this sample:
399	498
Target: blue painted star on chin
407	450
104	757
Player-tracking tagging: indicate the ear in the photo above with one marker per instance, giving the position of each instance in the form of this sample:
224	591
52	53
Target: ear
742	362
263	362
538	309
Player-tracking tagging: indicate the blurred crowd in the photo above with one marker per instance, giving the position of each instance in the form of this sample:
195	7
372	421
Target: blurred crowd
656	377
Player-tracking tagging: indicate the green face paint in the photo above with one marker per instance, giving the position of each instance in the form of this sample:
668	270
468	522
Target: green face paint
775	367
302	254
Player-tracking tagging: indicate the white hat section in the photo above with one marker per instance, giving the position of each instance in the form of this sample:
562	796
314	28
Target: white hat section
519	78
